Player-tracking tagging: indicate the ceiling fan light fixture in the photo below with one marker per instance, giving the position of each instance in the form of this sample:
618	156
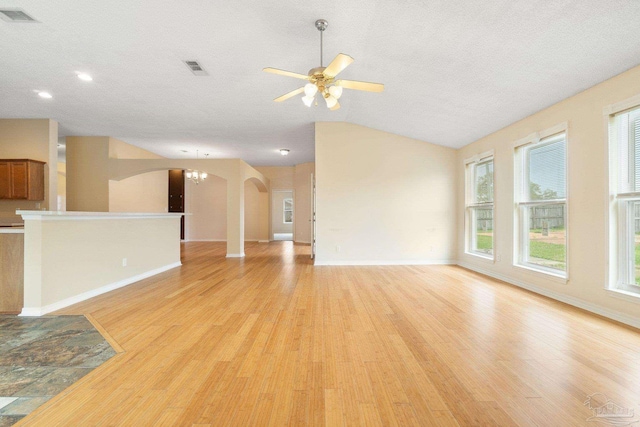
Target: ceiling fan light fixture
336	91
308	100
310	89
331	101
323	79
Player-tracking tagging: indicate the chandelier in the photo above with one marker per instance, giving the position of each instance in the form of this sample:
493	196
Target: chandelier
196	176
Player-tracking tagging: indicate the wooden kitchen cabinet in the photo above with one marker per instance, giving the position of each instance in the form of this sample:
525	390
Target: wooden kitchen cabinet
21	179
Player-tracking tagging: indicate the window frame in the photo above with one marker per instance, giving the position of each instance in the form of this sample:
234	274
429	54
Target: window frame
522	200
620	218
285	210
471	205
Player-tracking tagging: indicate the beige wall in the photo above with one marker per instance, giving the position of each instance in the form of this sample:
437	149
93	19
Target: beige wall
90	155
147	192
297	178
302	208
252	202
383	198
277	211
35	139
68	258
62	187
88	173
280	177
207	205
587	194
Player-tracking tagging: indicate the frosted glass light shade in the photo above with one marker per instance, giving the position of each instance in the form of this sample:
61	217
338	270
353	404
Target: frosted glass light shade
308	100
331	101
204	175
195	174
310	89
336	91
189	174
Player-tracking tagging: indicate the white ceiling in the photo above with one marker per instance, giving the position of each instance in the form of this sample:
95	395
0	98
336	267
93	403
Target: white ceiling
453	71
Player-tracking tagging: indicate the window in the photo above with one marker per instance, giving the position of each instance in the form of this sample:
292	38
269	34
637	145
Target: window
625	145
479	209
287	208
541	200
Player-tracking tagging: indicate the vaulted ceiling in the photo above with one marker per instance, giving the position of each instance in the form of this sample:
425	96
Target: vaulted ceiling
453	71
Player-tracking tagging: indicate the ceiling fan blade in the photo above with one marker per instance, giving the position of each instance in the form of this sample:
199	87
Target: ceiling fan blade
289	95
339	63
355	85
335	107
286	73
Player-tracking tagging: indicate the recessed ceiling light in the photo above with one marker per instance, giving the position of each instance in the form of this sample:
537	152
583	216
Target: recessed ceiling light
45	95
284	151
84	76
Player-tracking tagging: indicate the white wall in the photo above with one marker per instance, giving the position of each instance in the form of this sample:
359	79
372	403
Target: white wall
382	198
587	199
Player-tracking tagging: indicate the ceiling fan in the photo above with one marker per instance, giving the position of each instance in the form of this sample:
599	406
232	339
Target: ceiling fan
322	80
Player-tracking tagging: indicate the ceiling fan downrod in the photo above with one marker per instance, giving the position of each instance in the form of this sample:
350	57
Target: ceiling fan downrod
321	25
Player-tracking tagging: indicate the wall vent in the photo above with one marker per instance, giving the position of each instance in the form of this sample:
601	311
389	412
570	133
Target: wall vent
15	15
195	67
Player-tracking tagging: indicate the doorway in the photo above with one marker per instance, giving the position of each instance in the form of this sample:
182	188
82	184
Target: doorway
282	214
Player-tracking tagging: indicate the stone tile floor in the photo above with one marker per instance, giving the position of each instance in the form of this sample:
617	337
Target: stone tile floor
41	356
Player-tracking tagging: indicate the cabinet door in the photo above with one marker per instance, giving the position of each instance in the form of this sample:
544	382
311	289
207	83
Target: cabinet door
5	180
20	182
176	191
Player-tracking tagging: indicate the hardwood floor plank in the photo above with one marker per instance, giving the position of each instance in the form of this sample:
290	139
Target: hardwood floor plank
272	340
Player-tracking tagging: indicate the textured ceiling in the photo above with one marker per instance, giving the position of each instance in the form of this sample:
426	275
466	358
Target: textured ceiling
454	71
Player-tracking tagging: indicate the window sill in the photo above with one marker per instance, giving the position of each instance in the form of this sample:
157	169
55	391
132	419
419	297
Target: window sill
486	258
625	295
555	277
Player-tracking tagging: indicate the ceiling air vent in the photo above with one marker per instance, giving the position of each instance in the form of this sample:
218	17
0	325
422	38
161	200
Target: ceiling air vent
15	15
196	68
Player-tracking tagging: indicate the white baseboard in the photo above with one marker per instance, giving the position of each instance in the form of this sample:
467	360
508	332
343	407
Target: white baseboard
576	302
263	241
39	311
302	241
235	255
386	262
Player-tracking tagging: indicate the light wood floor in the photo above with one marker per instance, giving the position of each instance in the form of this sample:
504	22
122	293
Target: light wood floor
271	340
